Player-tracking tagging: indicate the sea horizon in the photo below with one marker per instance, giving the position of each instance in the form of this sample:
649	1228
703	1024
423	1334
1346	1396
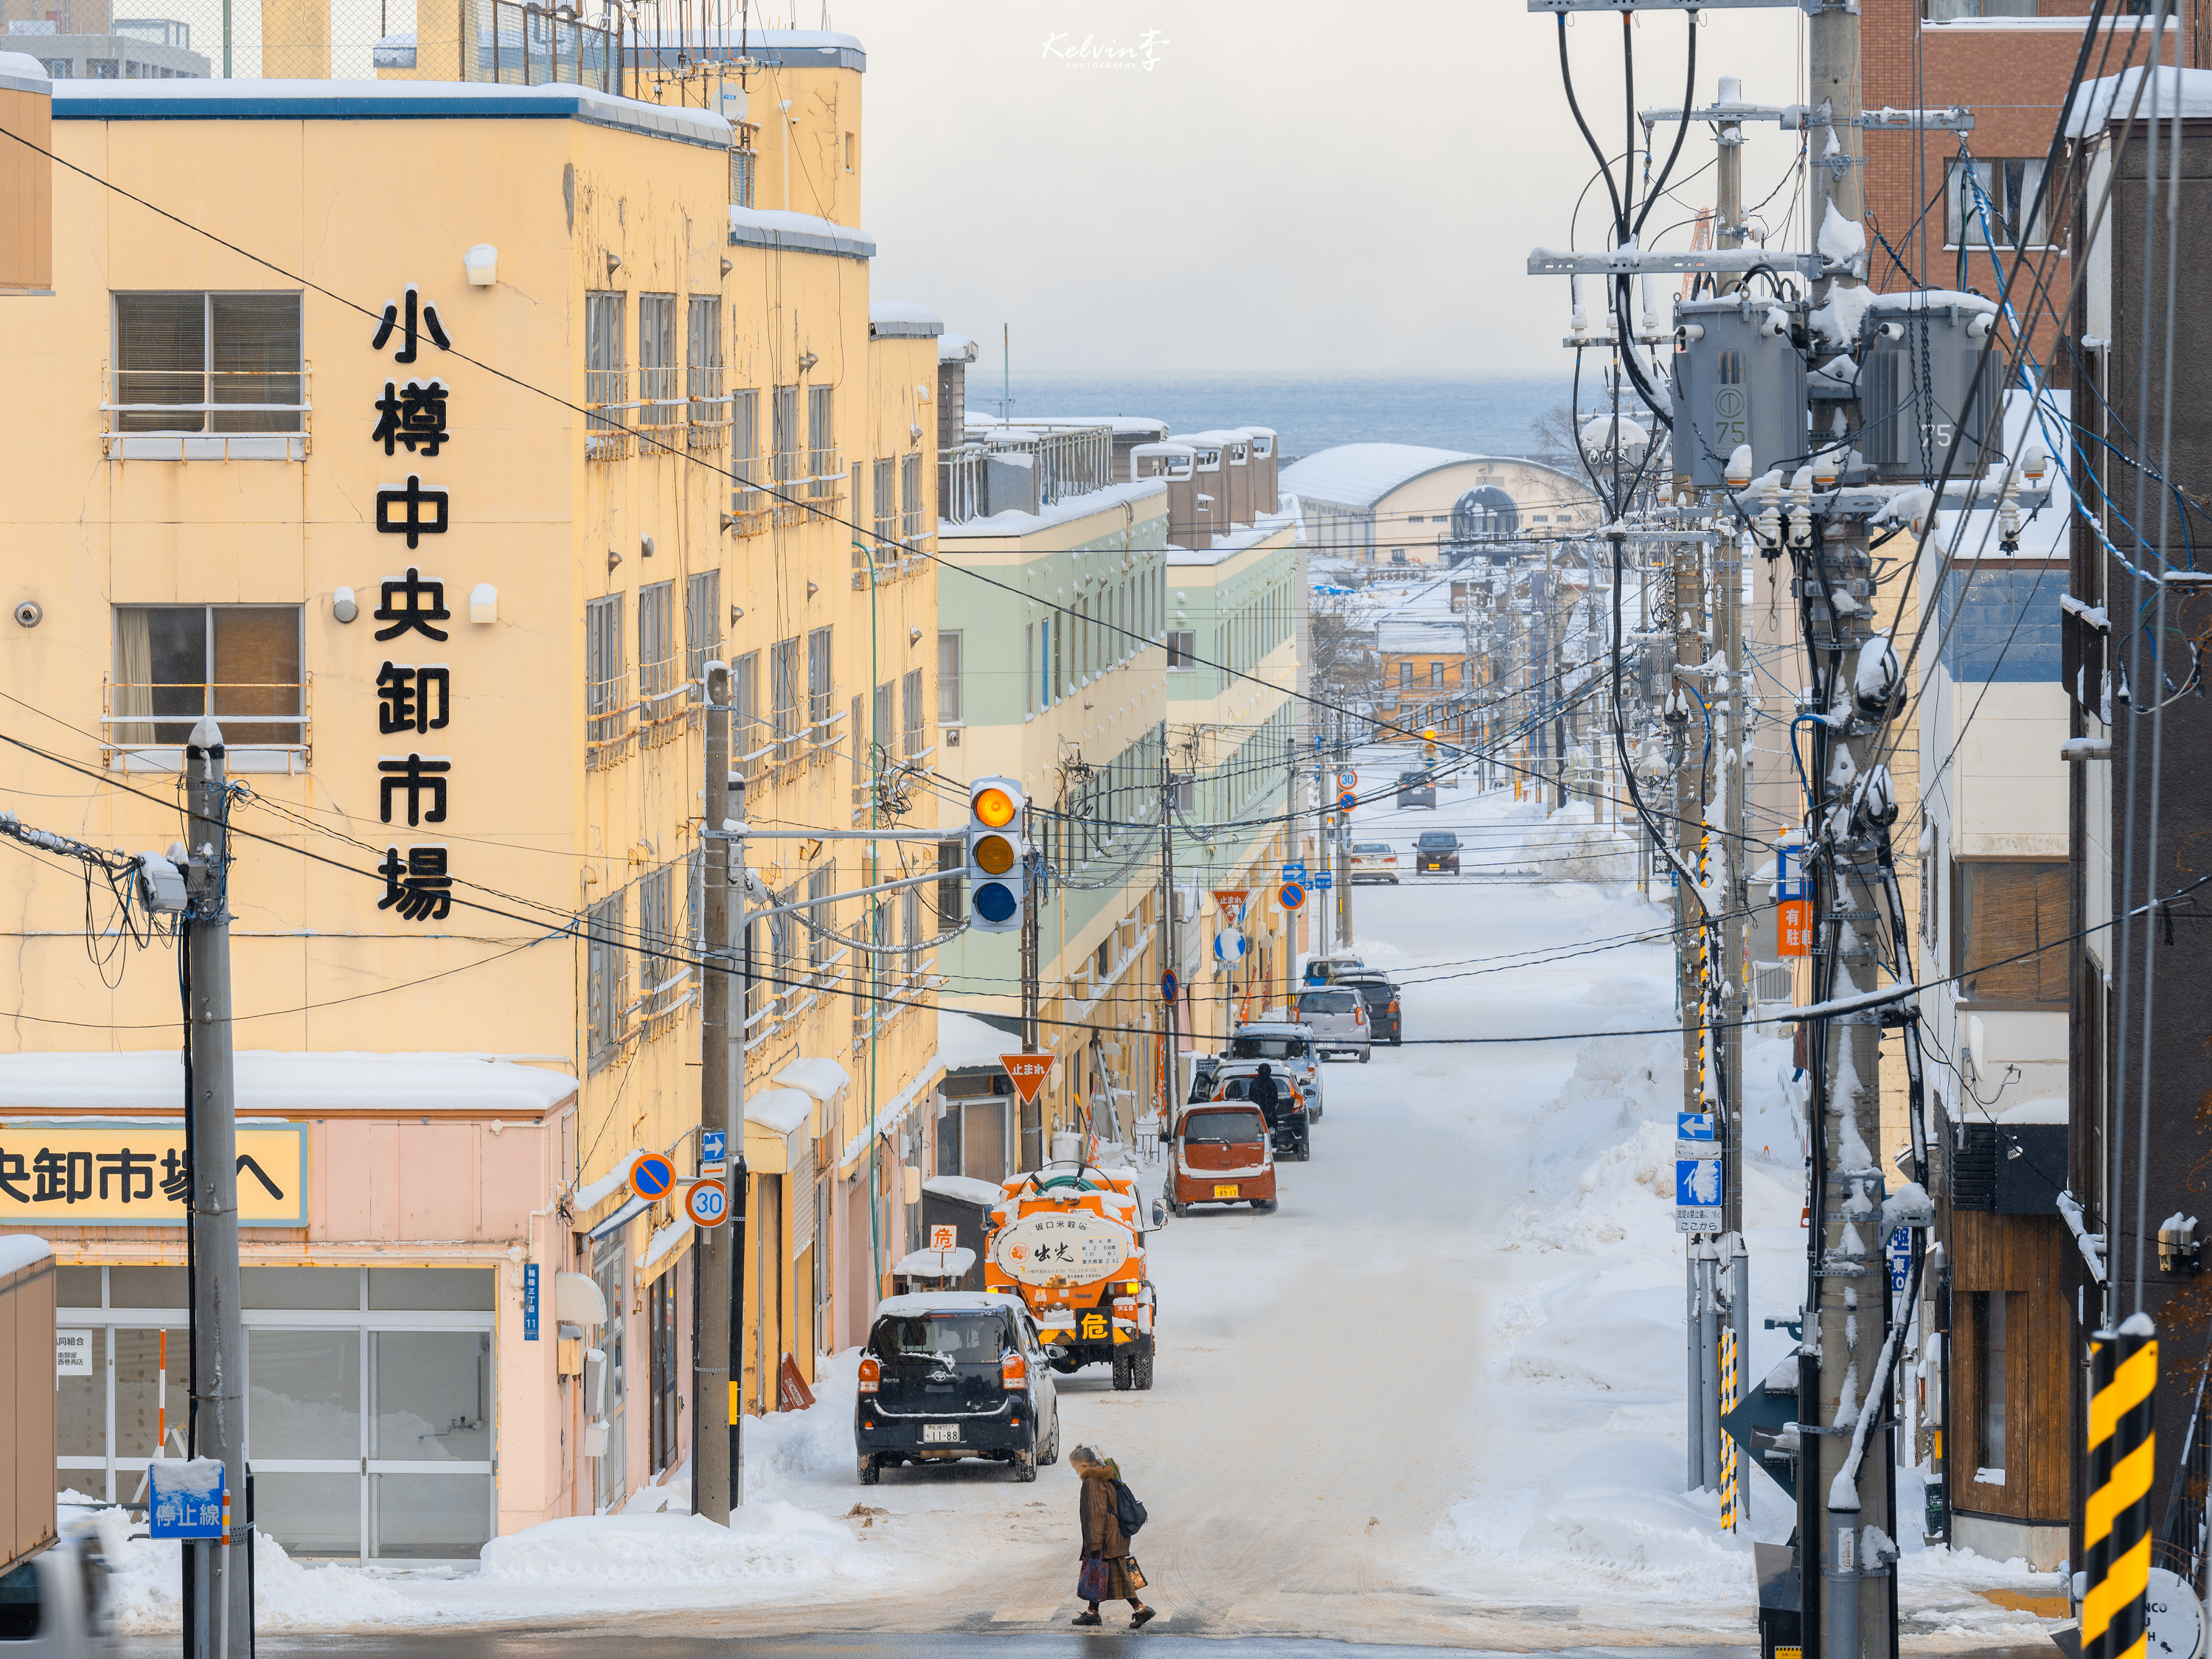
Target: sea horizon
1484	417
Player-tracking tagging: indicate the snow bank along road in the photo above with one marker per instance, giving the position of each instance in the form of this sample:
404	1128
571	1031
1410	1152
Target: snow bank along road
1435	1400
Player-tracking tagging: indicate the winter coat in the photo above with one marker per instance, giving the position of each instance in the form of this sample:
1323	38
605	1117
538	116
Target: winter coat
1101	1521
1262	1093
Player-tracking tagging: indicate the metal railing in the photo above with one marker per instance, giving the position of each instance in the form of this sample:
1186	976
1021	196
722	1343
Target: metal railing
960	483
136	427
660	404
608	734
663	701
529	45
143	724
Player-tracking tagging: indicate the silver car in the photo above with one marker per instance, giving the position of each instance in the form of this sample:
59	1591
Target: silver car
1338	1019
1290	1048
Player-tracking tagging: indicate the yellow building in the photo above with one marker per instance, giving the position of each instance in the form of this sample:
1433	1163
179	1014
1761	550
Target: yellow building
433	438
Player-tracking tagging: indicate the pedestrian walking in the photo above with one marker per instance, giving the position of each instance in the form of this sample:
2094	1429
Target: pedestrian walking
1109	1572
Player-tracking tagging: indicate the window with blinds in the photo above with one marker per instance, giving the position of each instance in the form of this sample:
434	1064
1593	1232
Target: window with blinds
658	690
2009	931
821	688
657	362
783	694
783	433
948	678
911	714
209	362
886	505
822	466
702	360
605	674
605	360
749	738
607	982
910	513
702	636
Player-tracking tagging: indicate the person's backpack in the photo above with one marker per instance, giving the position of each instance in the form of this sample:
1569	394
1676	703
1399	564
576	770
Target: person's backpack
1127	1511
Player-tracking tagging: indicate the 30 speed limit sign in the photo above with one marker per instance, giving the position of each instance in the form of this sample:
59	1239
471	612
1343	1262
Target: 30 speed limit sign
708	1203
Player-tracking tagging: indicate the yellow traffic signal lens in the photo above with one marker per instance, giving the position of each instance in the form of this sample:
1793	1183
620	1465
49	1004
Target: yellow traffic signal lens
994	856
992	806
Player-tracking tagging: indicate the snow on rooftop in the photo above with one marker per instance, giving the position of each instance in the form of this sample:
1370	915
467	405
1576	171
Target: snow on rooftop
964	1040
21	72
969	1189
956	349
901	319
805	233
20	1250
2115	98
1238	538
187	99
819	1077
934	1264
1359	475
779	1109
1013	522
285	1082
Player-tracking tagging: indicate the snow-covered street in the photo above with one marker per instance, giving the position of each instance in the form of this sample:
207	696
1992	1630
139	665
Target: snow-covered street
1436	1398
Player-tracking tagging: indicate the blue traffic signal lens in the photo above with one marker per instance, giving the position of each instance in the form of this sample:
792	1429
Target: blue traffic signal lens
995	902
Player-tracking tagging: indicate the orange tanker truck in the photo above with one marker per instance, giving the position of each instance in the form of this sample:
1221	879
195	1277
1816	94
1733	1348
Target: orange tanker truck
1069	1240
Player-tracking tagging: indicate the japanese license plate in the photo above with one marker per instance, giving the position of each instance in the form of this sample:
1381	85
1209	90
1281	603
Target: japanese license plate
940	1434
1225	1190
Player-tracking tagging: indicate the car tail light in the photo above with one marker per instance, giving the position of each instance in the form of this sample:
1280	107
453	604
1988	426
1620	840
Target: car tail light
1393	1005
1013	1372
872	1373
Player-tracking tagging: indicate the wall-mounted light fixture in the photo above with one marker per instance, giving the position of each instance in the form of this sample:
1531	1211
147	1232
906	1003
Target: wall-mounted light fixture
343	604
483	603
481	263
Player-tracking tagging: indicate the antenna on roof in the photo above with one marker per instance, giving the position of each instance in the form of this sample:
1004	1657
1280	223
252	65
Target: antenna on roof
1005	373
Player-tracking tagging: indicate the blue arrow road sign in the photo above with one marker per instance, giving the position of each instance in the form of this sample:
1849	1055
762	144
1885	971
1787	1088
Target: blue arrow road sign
714	1146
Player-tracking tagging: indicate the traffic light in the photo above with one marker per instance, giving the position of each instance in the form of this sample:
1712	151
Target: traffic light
1429	742
998	854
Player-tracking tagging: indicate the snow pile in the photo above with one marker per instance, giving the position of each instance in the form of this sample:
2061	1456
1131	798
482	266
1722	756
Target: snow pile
783	1446
1614	1329
144	1575
1569	847
1620	1507
764	1539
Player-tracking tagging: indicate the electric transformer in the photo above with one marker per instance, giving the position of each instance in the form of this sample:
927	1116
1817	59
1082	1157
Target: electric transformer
1739	378
1920	354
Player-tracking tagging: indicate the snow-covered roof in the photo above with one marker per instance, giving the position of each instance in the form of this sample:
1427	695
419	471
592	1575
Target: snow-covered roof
820	1078
1067	510
969	1189
2113	98
779	1109
1237	539
799	232
20	1250
964	1040
21	72
1125	426
192	100
956	349
1359	475
930	1302
286	1083
901	319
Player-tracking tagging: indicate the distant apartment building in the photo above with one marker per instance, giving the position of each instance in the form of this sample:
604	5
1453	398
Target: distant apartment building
1073	615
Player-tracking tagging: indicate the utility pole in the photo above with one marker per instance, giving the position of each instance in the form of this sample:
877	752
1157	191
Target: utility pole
1174	1081
221	1594
715	1368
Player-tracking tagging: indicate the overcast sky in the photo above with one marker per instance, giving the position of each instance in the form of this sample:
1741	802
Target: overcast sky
1289	187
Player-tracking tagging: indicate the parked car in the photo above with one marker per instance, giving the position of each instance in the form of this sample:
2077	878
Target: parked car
1289	1126
1321	969
954	1374
1201	1076
1416	789
1437	850
1287	1045
1223	1155
1338	1018
1374	860
1381	997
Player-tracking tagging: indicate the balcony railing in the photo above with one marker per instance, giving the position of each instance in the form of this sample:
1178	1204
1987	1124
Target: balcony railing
960	483
1067	462
662	701
138	427
265	726
608	734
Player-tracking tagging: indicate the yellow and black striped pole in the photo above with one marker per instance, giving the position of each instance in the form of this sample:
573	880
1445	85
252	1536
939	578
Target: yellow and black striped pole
2116	1526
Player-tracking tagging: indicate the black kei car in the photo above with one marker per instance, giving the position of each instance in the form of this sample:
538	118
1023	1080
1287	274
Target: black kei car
954	1374
1416	789
1381	996
1437	850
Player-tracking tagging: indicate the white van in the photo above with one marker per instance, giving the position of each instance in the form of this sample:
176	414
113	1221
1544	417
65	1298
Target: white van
1338	1018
